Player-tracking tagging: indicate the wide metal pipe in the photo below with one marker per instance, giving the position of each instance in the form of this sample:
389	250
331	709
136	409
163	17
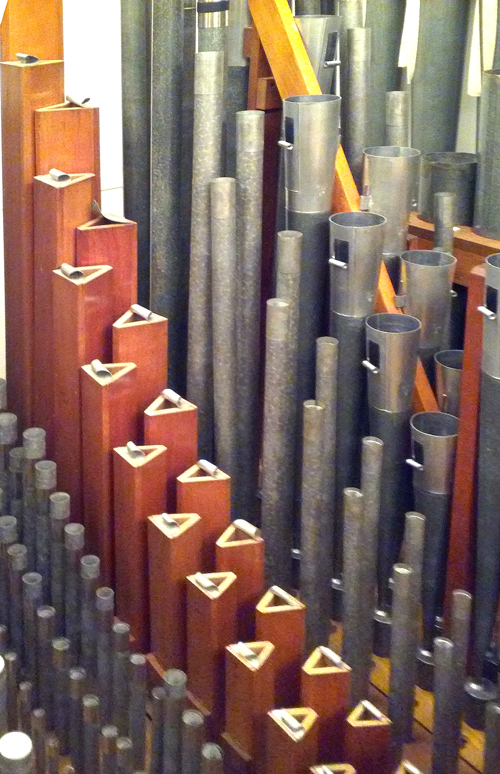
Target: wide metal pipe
492	739
486	215
278	446
404	639
249	161
136	124
397	118
237	78
315	530
351	599
310	138
169	264
389	177
451	172
208	114
448	368
355	96
391	357
445	746
224	317
321	39
443	221
425	287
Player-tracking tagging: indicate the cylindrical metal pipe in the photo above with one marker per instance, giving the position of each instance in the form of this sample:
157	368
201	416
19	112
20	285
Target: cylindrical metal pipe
8	537
208	115
175	685
124	763
76	677
212	26
15	497
105	605
45	484
448	368
91	728
212	759
89	582
52	753
249	162
397	118
24	706
16	754
158	696
121	664
59	518
451	172
74	538
11	660
353	535
320	34
38	730
237	78
46	631
460	636
486	216
492	739
278	447
61	659
444	221
193	734
413	551
109	735
351	13
355	97
137	708
32	599
445	747
34	450
8	437
315	531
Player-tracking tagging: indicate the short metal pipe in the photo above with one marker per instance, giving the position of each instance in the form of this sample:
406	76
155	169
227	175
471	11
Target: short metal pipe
158	696
34	450
413	551
61	659
38	731
32	599
121	664
91	728
124	763
46	632
109	735
8	438
448	366
11	660
193	734
397	118
353	533
77	677
8	537
137	708
15	486
52	753
355	97
175	700
454	173
45	484
444	221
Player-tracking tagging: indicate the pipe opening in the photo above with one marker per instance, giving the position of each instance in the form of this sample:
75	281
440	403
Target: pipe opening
451	159
494	260
393	323
435	423
450	358
312	98
391	151
428	258
357	219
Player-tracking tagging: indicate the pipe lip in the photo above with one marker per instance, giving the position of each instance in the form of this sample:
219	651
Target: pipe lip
493	260
431	258
313	98
450	358
435	423
391	151
393	323
451	159
357	219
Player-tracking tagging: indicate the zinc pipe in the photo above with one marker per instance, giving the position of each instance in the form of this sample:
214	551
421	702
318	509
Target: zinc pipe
448	368
321	39
397	118
355	113
452	172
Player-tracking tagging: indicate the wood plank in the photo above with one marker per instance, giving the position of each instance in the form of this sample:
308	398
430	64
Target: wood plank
30	31
58	208
25	88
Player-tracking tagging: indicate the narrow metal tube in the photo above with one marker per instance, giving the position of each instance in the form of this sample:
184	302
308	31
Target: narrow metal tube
17	561
249	164
91	728
121	662
89	583
109	735
32	599
193	733
351	13
16	754
208	114
45	484
278	446
8	537
404	639
15	496
8	438
158	696
38	731
61	659
492	739
74	538
448	369
460	630
104	598
59	518
175	686
124	755
46	631
315	532
443	221
212	759
354	124
413	550
397	118
52	753
445	748
224	316
24	706
34	450
77	677
11	672
137	708
353	533
3	697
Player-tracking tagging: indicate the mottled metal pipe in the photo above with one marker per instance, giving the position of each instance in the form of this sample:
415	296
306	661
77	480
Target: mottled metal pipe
45	484
8	437
3	697
249	161
38	731
492	739
17	558
137	708
74	539
355	97
315	529
136	123
212	26
91	728
61	660
124	764
278	447
445	747
208	113
59	518
448	368
109	735
16	754
175	686
89	582
77	677
15	497
193	734
52	753
8	537
46	631
212	759
121	664
11	660
157	703
237	78
404	639
34	450
352	14
451	172
353	535
460	630
397	118
444	207
105	605
486	217
413	550
32	599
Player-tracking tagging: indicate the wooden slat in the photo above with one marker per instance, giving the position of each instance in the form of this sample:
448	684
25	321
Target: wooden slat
32	28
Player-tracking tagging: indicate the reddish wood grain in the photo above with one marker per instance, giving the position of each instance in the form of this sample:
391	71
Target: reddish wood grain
286	754
39	33
139	491
67	138
177	428
99	241
24	89
58	208
171	558
83	317
109	409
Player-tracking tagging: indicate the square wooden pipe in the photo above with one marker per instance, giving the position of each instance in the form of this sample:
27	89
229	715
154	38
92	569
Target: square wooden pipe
325	681
367	740
174	552
240	549
173	421
109	419
211	627
115	242
333	768
407	768
40	33
291	740
280	619
140	480
208	494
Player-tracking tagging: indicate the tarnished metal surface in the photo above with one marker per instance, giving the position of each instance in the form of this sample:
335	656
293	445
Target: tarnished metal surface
444	221
452	172
486	214
351	612
448	369
491	321
355	95
445	747
397	118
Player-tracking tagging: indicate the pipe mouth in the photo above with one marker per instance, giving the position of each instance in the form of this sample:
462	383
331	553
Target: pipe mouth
435	423
312	98
391	151
393	323
357	219
451	159
494	260
450	358
428	258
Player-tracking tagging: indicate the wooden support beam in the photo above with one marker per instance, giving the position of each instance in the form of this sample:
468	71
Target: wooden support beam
25	88
32	30
58	208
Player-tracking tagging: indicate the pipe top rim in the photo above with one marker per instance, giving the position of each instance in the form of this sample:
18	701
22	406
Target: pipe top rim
450	358
494	260
391	151
398	324
313	98
451	158
428	258
435	423
357	219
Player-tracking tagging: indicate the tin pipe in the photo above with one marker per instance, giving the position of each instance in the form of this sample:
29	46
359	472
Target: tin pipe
175	686
104	600
15	496
404	640
74	539
136	123
249	162
460	636
32	599
237	78
448	368
212	759
208	115
61	660
193	733
212	26
46	631
34	450
52	753
310	137
426	285
353	533
351	13
492	739
45	484
413	551
486	217
89	582
224	316
77	677
11	661
445	749
443	221
278	446
91	728
124	755
59	519
315	531
321	34
137	708
451	172
109	735
121	663
16	754
158	696
8	438
397	118
38	730
24	706
355	97
8	537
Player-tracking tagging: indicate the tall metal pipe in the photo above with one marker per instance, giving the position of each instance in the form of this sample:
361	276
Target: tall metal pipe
136	124
321	34
212	25
208	113
278	446
356	242
175	685
445	745
351	617
89	583
237	78
397	118
169	264
45	484
448	369
452	172
391	357
444	221
249	161
310	138
413	550
46	632
486	215
351	13
355	96
104	598
59	518
315	531
425	287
